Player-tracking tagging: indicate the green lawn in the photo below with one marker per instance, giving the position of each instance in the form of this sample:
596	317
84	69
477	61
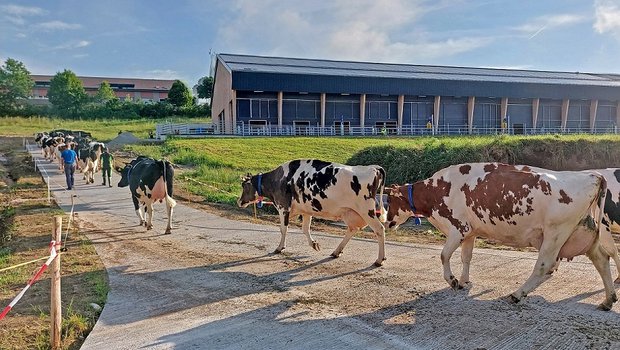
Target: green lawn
218	163
102	130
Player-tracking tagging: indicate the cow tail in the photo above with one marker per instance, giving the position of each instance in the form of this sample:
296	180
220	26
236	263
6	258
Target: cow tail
382	211
606	241
169	200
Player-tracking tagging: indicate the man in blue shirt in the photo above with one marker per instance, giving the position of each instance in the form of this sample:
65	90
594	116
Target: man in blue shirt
70	158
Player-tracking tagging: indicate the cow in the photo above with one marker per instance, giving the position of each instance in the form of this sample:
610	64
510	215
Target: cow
558	213
149	181
98	147
332	191
89	165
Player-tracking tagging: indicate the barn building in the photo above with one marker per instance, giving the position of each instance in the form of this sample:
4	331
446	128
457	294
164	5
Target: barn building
291	96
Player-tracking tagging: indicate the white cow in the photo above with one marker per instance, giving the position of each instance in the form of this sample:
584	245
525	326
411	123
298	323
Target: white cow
559	213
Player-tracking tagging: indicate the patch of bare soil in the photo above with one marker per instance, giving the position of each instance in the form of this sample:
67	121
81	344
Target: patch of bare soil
27	238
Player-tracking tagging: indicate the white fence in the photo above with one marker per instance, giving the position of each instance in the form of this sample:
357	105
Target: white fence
243	129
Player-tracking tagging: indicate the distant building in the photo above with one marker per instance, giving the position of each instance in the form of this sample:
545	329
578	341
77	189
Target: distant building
148	90
255	95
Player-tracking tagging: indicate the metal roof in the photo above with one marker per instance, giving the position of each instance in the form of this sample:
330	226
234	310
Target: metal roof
300	66
258	73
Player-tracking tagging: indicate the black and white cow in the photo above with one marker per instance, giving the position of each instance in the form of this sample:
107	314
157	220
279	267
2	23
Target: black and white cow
98	148
149	181
331	191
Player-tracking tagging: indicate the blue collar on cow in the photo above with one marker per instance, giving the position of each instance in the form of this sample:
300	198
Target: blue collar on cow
410	189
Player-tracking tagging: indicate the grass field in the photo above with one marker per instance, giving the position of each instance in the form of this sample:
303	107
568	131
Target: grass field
102	130
218	163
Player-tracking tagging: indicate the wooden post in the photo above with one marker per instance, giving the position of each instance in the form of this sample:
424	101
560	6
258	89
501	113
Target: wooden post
55	307
49	194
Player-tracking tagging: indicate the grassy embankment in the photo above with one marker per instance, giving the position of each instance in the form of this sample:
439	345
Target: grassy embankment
25	232
218	163
102	130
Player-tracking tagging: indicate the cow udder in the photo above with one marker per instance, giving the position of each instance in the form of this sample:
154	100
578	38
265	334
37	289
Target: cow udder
578	243
158	193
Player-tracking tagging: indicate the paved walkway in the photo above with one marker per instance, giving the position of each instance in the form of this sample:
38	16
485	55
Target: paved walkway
212	284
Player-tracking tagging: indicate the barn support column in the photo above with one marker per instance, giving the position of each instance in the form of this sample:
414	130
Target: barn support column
233	112
471	102
280	96
362	109
565	105
323	110
436	108
535	105
593	108
504	114
617	115
401	108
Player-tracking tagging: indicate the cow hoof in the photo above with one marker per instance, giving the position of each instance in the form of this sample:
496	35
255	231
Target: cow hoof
617	280
315	246
149	227
168	231
278	251
335	255
378	263
603	307
511	299
454	283
465	285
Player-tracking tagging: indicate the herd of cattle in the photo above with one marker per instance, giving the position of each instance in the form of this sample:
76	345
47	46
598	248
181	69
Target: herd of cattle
563	214
88	151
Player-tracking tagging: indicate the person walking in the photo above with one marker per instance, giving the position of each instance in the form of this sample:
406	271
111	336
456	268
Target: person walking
70	159
106	166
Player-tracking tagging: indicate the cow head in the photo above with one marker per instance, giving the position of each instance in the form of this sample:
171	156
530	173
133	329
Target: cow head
124	182
399	207
248	192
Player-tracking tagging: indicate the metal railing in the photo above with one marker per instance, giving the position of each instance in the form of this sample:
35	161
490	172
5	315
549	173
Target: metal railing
244	129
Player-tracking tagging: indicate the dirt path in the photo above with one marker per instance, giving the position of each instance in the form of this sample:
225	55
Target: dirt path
212	284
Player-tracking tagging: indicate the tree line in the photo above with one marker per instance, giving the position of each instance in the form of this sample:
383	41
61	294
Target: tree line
68	98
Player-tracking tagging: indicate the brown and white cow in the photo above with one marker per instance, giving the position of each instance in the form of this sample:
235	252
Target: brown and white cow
332	191
559	213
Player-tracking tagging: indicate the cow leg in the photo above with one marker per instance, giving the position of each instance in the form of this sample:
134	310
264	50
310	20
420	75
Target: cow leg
305	226
149	210
452	242
467	248
284	217
544	264
350	232
608	244
600	258
169	209
138	209
379	231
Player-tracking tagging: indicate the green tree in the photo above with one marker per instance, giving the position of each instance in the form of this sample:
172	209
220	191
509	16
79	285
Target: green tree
179	94
105	92
15	84
66	92
204	88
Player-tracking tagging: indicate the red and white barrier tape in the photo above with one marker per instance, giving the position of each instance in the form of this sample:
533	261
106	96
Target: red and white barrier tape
32	280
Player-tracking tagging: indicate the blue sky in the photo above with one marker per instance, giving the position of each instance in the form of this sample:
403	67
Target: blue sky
172	39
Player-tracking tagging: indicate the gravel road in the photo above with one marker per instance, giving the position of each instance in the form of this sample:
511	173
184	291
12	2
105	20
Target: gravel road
213	284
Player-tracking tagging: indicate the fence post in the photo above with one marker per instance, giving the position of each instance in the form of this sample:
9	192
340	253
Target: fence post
55	307
49	196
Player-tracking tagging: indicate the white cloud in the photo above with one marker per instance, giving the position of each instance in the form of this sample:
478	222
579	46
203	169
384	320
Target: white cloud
58	25
166	74
17	10
71	45
359	30
15	13
539	24
607	17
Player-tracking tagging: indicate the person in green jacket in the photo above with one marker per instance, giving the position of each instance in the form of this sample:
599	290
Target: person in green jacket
106	166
